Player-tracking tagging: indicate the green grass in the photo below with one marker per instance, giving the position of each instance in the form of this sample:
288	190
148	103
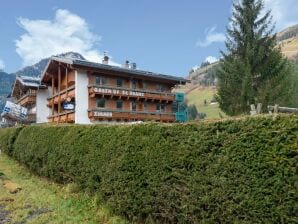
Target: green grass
63	206
197	98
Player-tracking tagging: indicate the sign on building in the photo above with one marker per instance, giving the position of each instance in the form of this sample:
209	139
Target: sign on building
14	111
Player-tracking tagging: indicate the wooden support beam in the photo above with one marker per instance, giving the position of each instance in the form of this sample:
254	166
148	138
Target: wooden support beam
59	90
53	84
66	74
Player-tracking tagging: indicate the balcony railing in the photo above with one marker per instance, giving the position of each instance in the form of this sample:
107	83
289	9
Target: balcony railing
26	99
96	114
130	93
64	117
64	94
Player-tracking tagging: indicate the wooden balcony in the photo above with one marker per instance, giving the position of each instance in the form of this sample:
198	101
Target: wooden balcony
130	93
70	92
65	117
106	114
29	98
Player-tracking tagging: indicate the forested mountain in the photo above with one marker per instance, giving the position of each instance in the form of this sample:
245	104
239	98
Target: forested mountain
6	82
36	69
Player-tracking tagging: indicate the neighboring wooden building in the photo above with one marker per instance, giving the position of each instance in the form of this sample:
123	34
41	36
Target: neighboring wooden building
85	92
24	94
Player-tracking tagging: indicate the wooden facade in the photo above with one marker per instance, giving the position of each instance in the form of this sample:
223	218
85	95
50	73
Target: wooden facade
24	93
111	95
62	89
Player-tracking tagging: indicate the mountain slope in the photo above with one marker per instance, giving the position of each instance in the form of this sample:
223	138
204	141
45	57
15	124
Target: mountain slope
287	40
203	78
6	82
36	69
287	33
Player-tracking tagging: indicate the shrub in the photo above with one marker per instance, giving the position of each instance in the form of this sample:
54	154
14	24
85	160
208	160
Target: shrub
236	171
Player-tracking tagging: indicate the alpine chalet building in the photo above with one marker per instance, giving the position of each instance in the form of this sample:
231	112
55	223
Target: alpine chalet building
85	92
24	94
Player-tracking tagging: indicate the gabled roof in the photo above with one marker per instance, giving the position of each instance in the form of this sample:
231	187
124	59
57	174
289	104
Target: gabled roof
29	81
26	82
135	72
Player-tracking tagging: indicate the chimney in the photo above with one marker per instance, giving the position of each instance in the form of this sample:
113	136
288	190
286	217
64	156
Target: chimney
105	59
134	65
126	65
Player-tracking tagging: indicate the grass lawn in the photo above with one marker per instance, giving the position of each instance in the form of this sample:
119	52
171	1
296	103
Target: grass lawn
42	201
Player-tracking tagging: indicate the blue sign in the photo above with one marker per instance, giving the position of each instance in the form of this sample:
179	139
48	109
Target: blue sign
68	106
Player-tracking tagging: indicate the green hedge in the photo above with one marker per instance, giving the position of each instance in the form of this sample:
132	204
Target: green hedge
236	171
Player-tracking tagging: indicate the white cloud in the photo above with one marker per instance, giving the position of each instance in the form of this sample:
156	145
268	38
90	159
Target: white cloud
284	12
211	59
211	37
66	32
2	65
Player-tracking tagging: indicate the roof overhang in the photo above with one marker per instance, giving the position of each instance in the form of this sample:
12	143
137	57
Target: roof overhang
25	82
51	68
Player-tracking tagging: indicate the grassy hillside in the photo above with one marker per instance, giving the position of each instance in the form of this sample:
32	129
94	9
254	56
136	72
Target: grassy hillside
233	171
288	41
290	48
197	96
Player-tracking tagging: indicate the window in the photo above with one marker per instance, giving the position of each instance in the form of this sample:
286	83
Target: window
119	104
100	80
119	82
134	84
101	103
145	84
145	106
133	106
160	88
97	80
160	107
157	107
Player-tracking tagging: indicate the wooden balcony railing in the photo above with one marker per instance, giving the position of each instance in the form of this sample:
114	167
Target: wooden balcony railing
99	114
69	92
65	117
130	93
29	98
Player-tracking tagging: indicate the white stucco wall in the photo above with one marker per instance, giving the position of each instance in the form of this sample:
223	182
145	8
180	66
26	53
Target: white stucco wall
82	96
42	111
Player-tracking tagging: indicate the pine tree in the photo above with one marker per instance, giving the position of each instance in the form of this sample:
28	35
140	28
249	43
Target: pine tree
253	69
192	112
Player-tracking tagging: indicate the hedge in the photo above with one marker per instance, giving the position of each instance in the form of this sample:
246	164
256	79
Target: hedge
235	171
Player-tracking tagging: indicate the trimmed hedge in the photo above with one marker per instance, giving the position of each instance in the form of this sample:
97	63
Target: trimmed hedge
236	171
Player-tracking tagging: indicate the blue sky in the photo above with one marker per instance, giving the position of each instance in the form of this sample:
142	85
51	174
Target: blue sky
168	36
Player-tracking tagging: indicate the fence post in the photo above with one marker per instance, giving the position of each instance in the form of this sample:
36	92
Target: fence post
253	110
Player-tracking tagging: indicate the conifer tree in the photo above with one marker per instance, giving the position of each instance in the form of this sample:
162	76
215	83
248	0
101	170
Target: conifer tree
253	69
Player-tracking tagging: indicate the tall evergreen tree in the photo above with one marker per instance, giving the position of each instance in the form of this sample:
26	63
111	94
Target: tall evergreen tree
253	69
